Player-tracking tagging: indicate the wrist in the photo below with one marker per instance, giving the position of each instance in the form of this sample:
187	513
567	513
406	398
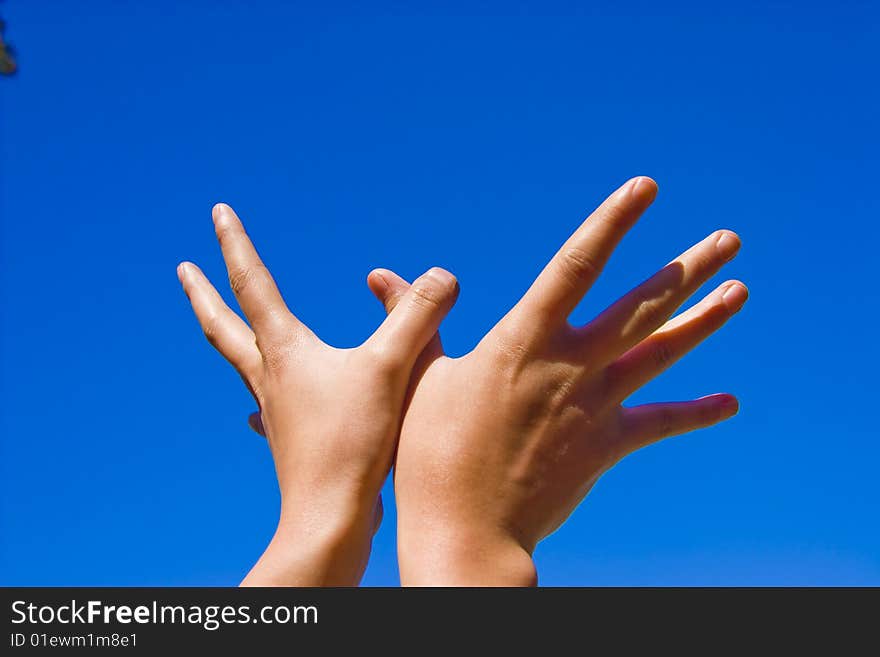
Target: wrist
462	557
326	545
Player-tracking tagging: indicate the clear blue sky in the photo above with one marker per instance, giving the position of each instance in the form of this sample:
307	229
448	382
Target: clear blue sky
473	136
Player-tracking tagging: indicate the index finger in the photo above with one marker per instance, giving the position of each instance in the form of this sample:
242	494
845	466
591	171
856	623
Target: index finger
577	265
249	278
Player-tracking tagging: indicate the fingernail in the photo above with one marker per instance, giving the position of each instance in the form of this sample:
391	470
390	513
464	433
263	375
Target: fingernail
735	297
441	277
378	276
644	188
181	271
727	244
729	406
219	211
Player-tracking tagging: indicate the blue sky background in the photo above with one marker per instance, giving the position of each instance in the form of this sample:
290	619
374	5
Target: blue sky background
474	136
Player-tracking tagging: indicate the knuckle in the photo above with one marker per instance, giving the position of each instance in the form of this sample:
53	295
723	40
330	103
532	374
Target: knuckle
511	343
562	390
427	294
705	261
276	345
243	278
614	211
661	353
211	329
667	422
275	355
614	216
577	265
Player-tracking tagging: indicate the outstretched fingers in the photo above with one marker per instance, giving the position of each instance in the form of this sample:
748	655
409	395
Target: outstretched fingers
249	278
575	267
673	340
647	307
649	423
225	330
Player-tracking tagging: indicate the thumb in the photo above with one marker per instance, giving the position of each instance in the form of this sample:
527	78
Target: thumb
387	287
414	311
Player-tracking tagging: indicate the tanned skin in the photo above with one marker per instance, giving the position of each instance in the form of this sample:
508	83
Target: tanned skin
496	448
331	416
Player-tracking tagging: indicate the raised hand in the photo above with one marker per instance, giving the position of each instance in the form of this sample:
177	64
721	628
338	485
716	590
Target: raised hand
499	446
331	416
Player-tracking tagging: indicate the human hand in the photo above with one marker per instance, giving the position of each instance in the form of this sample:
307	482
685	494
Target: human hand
499	446
331	416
